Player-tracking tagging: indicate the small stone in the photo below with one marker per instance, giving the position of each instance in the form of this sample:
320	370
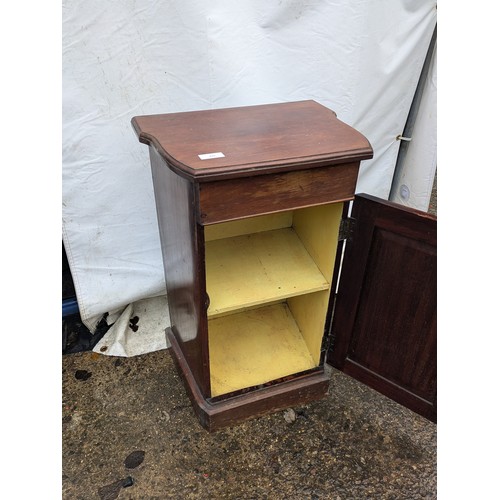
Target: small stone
290	416
128	481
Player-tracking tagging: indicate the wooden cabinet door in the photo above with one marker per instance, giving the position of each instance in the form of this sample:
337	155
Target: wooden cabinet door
384	324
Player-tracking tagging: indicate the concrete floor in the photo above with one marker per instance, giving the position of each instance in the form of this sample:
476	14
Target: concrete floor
129	421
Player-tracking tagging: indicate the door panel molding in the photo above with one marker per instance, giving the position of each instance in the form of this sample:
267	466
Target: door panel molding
384	324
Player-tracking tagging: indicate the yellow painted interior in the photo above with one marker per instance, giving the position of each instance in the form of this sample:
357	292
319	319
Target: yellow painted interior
253	269
248	226
254	347
309	312
318	229
269	280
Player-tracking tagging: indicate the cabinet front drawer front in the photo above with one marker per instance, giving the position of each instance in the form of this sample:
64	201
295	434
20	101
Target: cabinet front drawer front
221	201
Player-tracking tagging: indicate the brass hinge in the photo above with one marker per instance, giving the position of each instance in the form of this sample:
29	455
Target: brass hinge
347	227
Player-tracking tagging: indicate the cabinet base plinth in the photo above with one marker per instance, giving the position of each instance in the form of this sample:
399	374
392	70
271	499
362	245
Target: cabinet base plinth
225	413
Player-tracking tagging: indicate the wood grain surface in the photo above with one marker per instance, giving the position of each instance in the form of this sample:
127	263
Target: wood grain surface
252	139
385	316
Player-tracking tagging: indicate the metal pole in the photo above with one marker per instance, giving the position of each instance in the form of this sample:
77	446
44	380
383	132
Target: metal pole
405	137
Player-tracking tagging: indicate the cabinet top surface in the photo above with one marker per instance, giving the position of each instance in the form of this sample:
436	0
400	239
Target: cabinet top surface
232	142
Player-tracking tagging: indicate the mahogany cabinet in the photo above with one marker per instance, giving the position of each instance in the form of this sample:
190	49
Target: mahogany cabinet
250	201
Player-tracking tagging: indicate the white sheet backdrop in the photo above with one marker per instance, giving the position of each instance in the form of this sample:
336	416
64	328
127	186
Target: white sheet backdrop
125	58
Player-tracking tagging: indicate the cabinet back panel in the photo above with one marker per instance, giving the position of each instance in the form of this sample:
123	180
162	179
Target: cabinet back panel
248	225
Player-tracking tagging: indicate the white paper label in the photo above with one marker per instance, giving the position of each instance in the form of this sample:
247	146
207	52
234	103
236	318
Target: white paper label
209	156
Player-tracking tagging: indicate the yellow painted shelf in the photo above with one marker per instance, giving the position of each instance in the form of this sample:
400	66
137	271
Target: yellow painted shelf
260	268
254	347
